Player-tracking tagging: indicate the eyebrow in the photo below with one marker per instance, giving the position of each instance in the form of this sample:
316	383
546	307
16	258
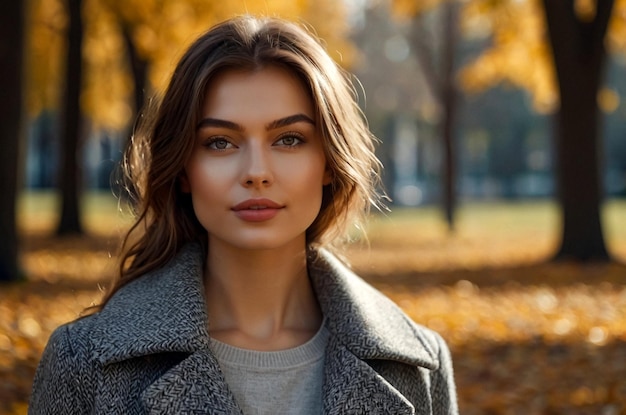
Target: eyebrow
292	119
281	122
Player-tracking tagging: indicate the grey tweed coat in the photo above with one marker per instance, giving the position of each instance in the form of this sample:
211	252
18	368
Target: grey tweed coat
147	352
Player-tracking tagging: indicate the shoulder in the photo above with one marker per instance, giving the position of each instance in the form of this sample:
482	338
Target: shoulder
73	339
65	375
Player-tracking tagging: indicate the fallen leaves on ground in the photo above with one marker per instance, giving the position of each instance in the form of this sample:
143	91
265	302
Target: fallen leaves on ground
529	349
528	336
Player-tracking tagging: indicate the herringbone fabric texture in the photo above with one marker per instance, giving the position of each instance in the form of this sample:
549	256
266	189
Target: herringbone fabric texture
147	351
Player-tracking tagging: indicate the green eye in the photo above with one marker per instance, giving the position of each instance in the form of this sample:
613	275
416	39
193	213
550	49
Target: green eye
290	140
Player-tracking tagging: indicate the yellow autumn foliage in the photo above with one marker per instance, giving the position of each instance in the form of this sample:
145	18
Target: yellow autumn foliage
519	53
616	36
46	20
160	30
410	8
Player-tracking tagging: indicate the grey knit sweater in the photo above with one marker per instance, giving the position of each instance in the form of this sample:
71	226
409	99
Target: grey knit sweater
148	352
276	382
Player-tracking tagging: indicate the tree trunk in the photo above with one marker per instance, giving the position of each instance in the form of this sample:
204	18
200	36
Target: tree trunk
70	174
444	89
138	66
449	104
139	70
579	58
11	50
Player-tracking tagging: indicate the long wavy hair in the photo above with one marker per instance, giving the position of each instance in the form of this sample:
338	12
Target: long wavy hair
166	131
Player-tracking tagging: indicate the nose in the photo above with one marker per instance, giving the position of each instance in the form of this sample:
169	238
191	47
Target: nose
257	169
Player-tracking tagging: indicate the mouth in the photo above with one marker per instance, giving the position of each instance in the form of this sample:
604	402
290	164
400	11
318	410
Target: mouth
257	210
257	204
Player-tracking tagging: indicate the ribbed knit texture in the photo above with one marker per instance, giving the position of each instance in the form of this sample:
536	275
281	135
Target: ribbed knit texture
276	382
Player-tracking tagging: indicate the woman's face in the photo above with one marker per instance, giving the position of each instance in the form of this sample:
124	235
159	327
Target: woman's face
258	167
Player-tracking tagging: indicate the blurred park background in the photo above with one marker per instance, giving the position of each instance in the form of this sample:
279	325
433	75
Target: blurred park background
503	134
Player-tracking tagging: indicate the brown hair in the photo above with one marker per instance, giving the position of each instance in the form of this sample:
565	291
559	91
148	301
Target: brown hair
163	142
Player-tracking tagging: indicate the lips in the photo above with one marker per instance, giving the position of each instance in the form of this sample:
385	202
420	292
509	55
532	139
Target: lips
257	210
257	204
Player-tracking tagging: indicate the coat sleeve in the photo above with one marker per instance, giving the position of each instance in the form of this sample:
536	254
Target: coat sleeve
442	384
60	378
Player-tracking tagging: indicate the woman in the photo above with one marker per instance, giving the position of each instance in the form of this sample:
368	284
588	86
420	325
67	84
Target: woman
255	164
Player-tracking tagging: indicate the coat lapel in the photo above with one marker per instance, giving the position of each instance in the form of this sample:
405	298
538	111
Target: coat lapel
351	386
194	386
366	322
366	327
165	312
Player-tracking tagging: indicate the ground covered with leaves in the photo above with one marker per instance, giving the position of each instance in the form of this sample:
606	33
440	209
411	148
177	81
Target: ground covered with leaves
528	336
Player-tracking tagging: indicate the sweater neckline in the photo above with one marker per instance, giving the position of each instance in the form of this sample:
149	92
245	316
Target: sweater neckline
304	354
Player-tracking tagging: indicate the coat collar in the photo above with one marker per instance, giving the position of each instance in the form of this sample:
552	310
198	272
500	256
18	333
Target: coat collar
165	311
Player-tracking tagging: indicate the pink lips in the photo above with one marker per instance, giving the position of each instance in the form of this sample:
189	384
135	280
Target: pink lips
257	210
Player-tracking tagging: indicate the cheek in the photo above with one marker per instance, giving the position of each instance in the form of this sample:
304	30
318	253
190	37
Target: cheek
200	175
312	168
307	177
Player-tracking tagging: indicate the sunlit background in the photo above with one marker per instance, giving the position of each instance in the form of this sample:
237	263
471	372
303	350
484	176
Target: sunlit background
462	96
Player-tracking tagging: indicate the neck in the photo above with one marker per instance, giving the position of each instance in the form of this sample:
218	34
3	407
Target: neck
260	299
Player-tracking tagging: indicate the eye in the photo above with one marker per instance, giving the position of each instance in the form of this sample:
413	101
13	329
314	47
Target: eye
219	144
290	140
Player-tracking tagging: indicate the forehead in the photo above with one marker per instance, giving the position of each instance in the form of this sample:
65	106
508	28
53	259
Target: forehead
266	92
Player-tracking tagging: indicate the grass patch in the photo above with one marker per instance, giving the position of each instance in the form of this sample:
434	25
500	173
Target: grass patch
38	213
487	235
